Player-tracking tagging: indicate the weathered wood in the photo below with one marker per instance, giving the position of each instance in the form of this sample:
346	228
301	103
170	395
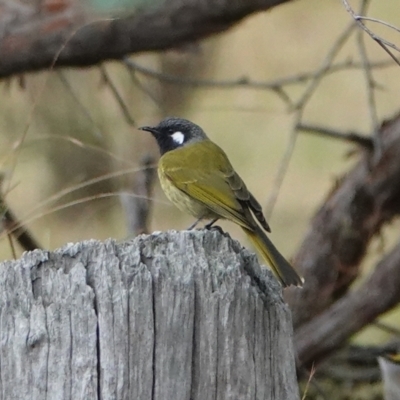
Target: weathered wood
176	315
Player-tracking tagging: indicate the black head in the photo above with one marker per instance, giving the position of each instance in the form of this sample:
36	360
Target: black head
173	132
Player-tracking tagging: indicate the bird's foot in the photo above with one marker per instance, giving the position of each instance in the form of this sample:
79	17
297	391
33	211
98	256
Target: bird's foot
210	224
215	228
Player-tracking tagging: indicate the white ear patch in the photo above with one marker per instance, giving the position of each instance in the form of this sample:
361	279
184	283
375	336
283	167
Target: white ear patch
178	137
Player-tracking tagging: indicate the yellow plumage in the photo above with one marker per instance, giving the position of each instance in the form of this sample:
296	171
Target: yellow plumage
199	179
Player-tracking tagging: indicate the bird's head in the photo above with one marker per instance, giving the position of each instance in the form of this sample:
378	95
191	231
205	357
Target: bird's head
172	133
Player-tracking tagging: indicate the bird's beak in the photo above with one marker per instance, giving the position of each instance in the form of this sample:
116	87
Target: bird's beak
150	129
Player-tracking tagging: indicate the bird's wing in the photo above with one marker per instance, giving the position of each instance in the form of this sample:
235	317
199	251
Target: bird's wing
243	194
212	182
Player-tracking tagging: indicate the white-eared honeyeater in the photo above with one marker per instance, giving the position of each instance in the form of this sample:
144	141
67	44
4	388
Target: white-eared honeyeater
198	178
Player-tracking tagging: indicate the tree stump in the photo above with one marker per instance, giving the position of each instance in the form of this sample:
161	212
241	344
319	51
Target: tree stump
169	316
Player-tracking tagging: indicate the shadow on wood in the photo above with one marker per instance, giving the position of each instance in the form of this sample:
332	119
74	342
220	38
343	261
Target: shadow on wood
175	315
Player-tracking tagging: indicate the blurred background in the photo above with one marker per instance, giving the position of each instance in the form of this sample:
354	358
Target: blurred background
67	150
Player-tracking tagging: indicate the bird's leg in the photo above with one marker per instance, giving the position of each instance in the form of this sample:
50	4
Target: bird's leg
194	224
210	224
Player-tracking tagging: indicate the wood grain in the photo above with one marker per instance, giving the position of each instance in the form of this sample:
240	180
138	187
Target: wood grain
172	315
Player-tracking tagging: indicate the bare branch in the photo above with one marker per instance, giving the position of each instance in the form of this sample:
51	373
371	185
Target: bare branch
340	232
84	109
353	137
370	86
330	330
75	43
283	166
275	85
117	95
387	328
299	107
137	208
382	42
143	87
379	21
325	67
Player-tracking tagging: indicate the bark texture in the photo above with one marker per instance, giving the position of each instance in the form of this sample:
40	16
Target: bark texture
34	36
325	312
330	330
331	254
176	315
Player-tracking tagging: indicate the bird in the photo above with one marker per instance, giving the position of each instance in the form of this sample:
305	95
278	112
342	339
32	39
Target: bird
197	176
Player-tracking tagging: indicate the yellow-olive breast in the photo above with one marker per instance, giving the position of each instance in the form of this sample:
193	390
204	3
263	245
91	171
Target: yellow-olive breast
180	199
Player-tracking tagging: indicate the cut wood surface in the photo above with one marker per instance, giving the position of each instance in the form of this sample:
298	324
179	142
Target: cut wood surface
176	315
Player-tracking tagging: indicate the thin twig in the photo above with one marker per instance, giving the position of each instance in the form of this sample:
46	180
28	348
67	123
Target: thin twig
65	82
10	224
245	81
76	142
23	236
382	42
39	95
387	328
393	57
310	377
137	208
283	166
125	109
61	193
299	109
12	247
370	86
379	21
307	375
353	137
326	66
73	203
142	87
280	92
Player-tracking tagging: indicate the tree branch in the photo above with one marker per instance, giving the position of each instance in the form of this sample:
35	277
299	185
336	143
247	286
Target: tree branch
330	255
76	43
348	315
351	136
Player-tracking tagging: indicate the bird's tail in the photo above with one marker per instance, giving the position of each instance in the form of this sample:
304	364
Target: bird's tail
282	269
